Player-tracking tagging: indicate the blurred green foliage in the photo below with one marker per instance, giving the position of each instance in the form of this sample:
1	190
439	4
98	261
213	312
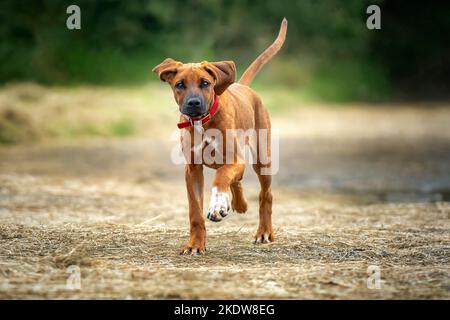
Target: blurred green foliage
123	128
329	52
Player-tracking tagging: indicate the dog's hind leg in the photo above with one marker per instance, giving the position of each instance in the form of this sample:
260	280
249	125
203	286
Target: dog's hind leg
264	233
262	153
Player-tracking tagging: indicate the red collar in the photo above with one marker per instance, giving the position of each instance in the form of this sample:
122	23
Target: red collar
205	119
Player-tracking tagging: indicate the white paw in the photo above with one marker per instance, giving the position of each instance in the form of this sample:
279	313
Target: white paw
219	205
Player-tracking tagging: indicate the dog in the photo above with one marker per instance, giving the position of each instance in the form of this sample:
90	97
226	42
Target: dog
209	98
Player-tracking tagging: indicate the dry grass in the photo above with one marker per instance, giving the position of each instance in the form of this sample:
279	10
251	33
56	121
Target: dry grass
356	187
126	245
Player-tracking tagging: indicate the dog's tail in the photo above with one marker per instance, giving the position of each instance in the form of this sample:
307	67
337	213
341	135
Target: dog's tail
252	71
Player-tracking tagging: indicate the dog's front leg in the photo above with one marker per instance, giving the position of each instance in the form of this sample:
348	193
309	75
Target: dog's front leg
194	185
220	201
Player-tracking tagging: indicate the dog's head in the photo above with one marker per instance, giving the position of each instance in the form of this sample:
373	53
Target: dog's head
195	84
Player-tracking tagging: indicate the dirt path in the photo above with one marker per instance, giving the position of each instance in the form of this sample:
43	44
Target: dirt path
357	187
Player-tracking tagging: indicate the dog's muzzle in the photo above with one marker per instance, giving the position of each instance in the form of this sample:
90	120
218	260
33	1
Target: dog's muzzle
194	107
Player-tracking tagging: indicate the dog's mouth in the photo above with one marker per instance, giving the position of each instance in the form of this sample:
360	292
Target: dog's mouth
194	107
195	114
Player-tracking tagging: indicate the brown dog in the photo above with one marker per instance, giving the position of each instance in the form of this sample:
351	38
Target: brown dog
209	98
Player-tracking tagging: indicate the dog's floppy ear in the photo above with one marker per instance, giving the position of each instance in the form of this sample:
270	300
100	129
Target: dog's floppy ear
167	69
224	72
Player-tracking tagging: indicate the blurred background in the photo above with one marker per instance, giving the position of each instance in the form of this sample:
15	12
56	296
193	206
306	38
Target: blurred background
329	54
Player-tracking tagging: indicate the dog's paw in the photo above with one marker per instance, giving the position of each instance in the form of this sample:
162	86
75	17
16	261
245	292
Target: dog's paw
239	205
219	205
264	236
238	201
192	249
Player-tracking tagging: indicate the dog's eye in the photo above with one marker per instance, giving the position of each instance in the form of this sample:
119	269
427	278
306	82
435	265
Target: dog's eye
179	85
204	84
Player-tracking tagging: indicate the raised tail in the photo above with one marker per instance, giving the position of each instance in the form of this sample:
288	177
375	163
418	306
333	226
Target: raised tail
252	71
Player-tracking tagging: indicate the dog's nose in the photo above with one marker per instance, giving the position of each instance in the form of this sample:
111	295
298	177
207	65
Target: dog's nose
194	102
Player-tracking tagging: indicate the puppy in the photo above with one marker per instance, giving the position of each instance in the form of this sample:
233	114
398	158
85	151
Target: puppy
213	105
